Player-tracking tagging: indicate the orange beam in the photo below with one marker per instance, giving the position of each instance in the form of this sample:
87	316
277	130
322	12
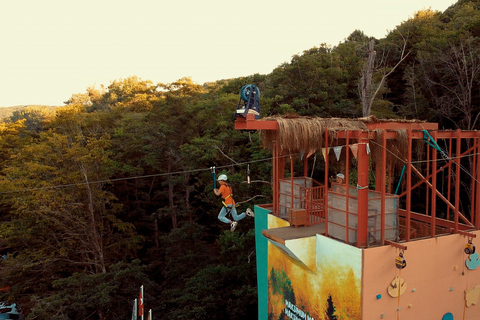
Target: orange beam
409	185
396	245
457	180
362	195
391	125
347	198
441	196
325	195
250	123
466	234
383	174
434	187
439	221
477	202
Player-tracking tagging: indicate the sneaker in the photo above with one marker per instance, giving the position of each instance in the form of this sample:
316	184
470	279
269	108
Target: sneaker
233	225
249	213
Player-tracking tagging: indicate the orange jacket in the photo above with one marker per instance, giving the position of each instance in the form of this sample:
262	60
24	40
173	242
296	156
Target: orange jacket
227	194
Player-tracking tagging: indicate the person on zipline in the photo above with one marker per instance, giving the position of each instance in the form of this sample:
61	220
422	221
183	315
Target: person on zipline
229	204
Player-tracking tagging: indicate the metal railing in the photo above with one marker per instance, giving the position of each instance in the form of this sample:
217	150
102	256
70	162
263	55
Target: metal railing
314	203
302	193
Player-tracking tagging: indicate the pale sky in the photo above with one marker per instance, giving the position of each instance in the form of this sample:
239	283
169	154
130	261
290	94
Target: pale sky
51	49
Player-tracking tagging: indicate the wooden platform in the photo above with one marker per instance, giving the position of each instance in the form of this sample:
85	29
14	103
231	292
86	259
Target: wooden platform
283	234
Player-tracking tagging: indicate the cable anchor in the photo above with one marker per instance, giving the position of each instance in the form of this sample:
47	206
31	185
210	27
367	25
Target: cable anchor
469	247
400	261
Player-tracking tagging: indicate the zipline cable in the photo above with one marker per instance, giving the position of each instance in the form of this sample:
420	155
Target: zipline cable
138	177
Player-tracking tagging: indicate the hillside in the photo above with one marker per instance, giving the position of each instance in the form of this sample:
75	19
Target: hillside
7	112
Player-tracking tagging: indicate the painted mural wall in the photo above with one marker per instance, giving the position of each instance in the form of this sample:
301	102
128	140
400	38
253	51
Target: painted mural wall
312	278
323	279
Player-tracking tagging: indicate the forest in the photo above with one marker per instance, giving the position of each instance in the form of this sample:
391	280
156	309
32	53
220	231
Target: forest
114	190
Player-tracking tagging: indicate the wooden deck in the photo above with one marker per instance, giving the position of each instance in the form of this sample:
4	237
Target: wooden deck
283	234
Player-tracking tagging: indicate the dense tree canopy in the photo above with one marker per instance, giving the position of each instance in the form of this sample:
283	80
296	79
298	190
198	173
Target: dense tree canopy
114	190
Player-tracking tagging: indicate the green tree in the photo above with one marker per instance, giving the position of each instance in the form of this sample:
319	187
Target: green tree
319	82
225	289
107	295
451	73
62	220
330	309
35	117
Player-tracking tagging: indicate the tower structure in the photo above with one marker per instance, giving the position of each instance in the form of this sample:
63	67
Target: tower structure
394	240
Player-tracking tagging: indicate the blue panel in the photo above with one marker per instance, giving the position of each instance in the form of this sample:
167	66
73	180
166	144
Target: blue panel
261	247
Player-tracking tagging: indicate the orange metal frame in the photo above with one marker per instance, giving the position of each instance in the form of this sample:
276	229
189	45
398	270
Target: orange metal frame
465	143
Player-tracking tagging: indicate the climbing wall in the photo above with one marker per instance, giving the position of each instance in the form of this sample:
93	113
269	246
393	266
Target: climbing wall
440	281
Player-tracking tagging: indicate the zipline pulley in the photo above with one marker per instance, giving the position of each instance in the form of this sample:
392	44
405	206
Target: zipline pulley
249	102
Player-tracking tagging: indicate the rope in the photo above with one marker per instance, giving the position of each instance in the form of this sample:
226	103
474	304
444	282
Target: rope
313	166
400	180
248	200
399	288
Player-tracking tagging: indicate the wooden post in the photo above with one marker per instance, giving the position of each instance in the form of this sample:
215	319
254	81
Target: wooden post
325	194
383	173
477	206
457	178
434	187
362	186
347	198
409	185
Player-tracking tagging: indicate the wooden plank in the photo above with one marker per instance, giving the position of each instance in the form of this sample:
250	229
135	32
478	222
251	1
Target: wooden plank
283	234
396	245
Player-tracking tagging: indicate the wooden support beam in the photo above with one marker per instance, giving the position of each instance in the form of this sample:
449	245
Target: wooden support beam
439	221
464	233
396	245
362	192
409	184
441	196
391	125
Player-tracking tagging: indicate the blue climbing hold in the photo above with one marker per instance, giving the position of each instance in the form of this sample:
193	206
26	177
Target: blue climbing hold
447	316
473	261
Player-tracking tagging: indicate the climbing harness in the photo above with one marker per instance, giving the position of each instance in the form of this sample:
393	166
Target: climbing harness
230	195
229	207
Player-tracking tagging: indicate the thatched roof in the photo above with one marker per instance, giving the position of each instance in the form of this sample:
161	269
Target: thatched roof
297	134
306	133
